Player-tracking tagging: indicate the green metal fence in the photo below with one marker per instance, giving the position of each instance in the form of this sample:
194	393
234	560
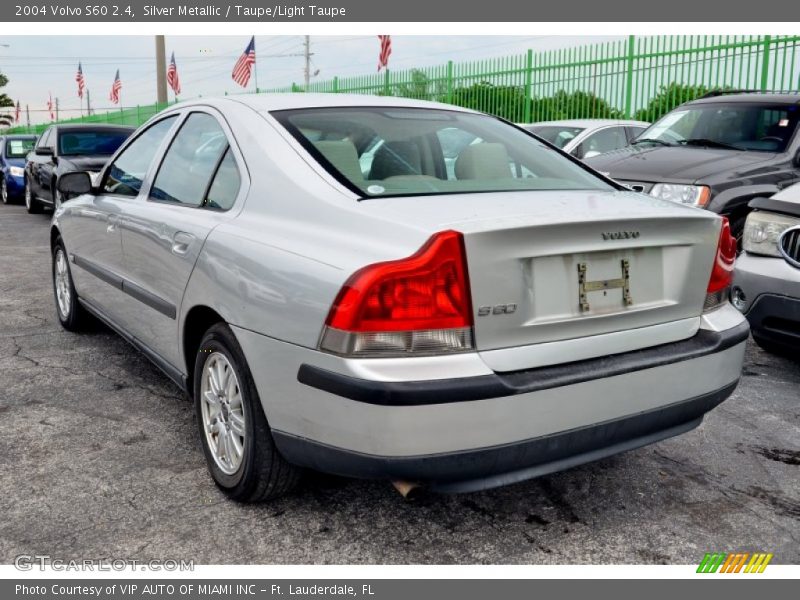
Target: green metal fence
638	77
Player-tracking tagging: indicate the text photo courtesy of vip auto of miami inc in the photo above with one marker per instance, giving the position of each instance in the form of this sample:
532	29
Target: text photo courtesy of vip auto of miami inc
398	299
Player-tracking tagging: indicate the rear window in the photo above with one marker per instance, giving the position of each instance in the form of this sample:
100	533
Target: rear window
19	148
87	143
379	152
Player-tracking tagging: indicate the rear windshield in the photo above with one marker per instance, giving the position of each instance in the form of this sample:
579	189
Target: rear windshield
75	143
19	148
380	152
556	134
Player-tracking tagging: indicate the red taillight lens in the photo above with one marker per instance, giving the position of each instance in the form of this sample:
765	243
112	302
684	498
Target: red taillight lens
722	273
417	303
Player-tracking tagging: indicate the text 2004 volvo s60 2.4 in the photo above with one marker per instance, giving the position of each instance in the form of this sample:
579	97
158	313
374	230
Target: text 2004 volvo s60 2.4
393	289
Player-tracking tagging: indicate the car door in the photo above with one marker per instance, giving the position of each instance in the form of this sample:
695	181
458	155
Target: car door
602	141
90	223
163	234
36	162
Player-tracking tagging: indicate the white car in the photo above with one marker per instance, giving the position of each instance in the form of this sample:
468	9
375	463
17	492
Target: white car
462	326
585	138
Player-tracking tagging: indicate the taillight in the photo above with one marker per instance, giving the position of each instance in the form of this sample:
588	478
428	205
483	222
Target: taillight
420	304
722	274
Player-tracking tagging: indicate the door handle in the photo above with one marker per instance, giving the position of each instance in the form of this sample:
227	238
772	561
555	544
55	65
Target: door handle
181	242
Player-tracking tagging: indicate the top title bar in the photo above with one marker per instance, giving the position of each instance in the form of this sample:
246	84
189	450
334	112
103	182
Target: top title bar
242	11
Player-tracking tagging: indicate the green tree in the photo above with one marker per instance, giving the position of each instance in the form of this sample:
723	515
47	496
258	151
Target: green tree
573	105
6	119
668	97
504	101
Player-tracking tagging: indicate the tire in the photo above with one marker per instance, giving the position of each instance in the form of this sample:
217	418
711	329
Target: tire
31	203
70	313
259	472
4	190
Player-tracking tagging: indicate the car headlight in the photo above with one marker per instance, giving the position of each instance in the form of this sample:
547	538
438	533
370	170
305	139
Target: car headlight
762	230
694	195
16	171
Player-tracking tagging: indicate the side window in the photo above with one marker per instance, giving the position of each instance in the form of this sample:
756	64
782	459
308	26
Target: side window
605	140
125	176
187	168
225	186
44	141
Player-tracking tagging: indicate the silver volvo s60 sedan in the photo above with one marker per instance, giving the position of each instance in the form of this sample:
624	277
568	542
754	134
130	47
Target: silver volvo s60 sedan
400	290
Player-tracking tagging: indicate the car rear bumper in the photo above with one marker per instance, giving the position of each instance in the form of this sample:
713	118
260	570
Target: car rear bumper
484	468
771	287
458	425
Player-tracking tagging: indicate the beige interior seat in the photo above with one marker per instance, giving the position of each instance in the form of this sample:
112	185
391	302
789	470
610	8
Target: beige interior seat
342	154
486	160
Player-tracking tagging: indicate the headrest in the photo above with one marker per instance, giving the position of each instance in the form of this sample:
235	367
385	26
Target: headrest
342	155
486	160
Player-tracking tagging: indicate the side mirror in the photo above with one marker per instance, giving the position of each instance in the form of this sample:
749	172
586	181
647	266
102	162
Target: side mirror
74	184
44	151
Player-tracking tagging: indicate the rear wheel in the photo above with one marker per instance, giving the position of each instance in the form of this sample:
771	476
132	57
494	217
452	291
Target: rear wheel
236	438
71	314
31	203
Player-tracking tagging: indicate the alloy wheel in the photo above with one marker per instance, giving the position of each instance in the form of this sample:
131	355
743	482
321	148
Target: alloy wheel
223	413
63	284
4	190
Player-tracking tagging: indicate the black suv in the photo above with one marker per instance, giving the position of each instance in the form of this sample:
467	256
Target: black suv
717	152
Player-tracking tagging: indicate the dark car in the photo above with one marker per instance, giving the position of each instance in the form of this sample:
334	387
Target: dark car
718	152
65	148
13	150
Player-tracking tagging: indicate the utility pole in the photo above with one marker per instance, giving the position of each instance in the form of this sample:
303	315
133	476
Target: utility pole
88	103
28	116
56	108
161	70
307	55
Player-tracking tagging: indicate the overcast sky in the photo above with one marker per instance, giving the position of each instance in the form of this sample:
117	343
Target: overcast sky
37	66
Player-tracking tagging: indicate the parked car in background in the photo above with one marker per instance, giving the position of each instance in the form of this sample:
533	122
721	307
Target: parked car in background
585	138
453	329
13	151
718	152
767	278
65	148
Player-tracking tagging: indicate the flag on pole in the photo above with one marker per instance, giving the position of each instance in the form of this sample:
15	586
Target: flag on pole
386	51
50	106
115	89
243	66
80	80
172	76
18	112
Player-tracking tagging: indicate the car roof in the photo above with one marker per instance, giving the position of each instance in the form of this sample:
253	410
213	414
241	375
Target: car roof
750	97
271	102
587	123
93	127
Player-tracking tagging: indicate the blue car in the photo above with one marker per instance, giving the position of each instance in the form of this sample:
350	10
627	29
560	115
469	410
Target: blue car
13	150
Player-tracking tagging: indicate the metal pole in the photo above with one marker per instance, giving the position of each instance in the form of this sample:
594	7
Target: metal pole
28	117
307	56
765	63
629	77
528	86
56	108
88	104
161	70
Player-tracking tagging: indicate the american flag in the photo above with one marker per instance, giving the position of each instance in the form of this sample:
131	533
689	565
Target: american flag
172	76
386	51
115	89
18	112
243	66
50	106
80	80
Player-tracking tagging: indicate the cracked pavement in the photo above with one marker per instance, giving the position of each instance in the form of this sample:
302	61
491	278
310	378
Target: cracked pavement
100	458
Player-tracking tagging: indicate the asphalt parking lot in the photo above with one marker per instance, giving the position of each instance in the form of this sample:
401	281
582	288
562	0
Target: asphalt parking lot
100	458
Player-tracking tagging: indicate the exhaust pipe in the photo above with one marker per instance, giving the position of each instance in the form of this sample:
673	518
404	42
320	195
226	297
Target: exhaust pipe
407	489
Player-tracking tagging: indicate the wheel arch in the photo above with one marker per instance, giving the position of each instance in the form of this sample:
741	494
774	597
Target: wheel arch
198	320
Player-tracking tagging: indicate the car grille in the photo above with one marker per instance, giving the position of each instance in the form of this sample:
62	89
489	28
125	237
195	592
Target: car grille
789	244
